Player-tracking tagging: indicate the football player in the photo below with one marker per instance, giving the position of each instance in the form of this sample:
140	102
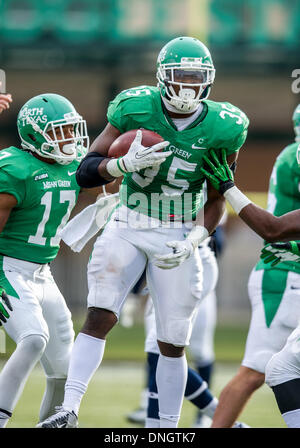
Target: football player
158	224
196	388
273	289
38	191
271	228
201	345
273	293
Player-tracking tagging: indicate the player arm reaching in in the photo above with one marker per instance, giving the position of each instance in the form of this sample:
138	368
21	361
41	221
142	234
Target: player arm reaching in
5	100
98	169
7	203
205	224
271	228
278	252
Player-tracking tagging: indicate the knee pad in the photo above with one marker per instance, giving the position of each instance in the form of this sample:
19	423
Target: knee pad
34	344
55	359
178	332
282	367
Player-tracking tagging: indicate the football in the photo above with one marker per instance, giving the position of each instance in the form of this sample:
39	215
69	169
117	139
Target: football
121	145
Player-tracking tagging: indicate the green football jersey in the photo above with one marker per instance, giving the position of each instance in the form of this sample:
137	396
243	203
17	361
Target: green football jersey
46	194
284	195
174	189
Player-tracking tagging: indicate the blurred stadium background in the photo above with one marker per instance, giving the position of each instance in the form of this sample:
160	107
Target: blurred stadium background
89	50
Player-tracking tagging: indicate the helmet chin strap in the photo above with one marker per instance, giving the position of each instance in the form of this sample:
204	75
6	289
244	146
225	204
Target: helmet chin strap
69	149
187	94
64	156
171	106
187	104
183	102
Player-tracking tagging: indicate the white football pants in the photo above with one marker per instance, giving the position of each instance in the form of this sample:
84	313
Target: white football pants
119	258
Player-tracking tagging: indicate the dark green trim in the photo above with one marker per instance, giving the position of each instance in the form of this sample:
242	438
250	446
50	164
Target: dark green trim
200	118
119	166
192	125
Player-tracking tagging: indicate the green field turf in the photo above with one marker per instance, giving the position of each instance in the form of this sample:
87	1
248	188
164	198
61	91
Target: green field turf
114	390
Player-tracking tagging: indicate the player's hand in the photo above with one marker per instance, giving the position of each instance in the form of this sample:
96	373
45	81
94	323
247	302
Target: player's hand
220	175
5	101
140	157
4	303
181	251
278	252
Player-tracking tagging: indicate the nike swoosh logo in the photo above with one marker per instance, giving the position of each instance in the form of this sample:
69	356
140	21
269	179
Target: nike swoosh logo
71	173
140	156
295	287
197	147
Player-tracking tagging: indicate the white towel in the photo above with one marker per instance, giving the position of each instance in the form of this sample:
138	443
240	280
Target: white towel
88	222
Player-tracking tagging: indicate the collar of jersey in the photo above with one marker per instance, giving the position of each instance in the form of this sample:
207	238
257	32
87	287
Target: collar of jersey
190	126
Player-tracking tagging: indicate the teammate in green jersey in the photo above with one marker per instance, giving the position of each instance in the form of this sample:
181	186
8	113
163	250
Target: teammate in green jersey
289	251
273	296
38	191
265	224
280	281
158	225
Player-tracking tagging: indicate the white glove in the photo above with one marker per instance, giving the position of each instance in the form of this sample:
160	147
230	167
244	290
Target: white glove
138	157
181	249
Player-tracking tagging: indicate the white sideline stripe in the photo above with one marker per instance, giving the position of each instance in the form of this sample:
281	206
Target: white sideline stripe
197	392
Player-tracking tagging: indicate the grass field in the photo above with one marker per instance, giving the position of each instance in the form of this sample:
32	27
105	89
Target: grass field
114	391
115	388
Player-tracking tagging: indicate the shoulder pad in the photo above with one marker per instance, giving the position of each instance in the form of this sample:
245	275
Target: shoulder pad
228	115
13	163
136	102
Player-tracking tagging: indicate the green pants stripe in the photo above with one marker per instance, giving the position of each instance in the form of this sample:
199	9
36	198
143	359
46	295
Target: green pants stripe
273	287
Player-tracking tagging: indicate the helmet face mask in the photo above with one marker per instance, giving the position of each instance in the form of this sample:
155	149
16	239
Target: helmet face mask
72	147
51	138
296	123
298	155
185	73
297	132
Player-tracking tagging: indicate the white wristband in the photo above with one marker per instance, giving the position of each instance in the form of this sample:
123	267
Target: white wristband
236	199
113	169
197	235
